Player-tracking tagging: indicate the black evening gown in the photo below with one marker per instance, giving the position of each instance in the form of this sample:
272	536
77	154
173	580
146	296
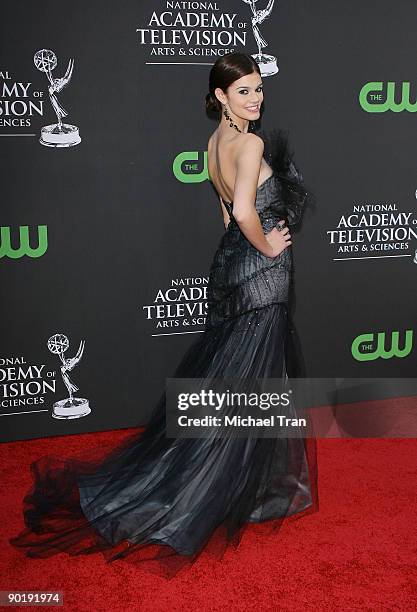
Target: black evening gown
154	497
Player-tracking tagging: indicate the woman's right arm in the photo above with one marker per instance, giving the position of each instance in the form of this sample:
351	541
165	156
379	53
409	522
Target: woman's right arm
248	163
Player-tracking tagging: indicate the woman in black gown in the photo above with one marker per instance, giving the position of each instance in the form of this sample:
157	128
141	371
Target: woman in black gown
170	497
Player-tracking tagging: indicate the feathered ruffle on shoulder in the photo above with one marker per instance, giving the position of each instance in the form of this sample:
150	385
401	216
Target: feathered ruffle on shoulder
296	196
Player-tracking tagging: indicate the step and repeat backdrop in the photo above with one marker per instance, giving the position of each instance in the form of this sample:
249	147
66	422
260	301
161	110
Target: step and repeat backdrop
109	221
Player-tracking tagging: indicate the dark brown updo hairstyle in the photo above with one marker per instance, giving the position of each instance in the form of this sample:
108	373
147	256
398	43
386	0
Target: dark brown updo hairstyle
226	70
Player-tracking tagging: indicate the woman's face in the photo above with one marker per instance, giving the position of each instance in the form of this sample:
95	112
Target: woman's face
244	96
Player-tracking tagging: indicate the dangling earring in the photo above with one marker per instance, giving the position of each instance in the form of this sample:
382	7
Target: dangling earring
228	117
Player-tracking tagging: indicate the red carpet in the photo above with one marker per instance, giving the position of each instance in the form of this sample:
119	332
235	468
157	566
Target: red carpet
359	552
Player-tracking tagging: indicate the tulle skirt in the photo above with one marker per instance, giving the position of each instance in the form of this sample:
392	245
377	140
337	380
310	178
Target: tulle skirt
167	499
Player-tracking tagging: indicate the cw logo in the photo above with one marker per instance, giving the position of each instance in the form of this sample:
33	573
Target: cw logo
364	349
371	100
187	169
6	249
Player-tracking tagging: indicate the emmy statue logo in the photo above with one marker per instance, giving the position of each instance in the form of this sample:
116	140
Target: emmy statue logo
72	407
415	257
267	63
58	134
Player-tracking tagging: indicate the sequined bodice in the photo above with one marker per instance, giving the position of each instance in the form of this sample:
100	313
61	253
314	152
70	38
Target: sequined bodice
268	203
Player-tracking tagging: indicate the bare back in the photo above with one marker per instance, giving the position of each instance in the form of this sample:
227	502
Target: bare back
221	154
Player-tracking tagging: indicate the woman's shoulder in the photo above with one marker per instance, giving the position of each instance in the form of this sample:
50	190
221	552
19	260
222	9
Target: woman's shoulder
236	137
238	143
249	142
